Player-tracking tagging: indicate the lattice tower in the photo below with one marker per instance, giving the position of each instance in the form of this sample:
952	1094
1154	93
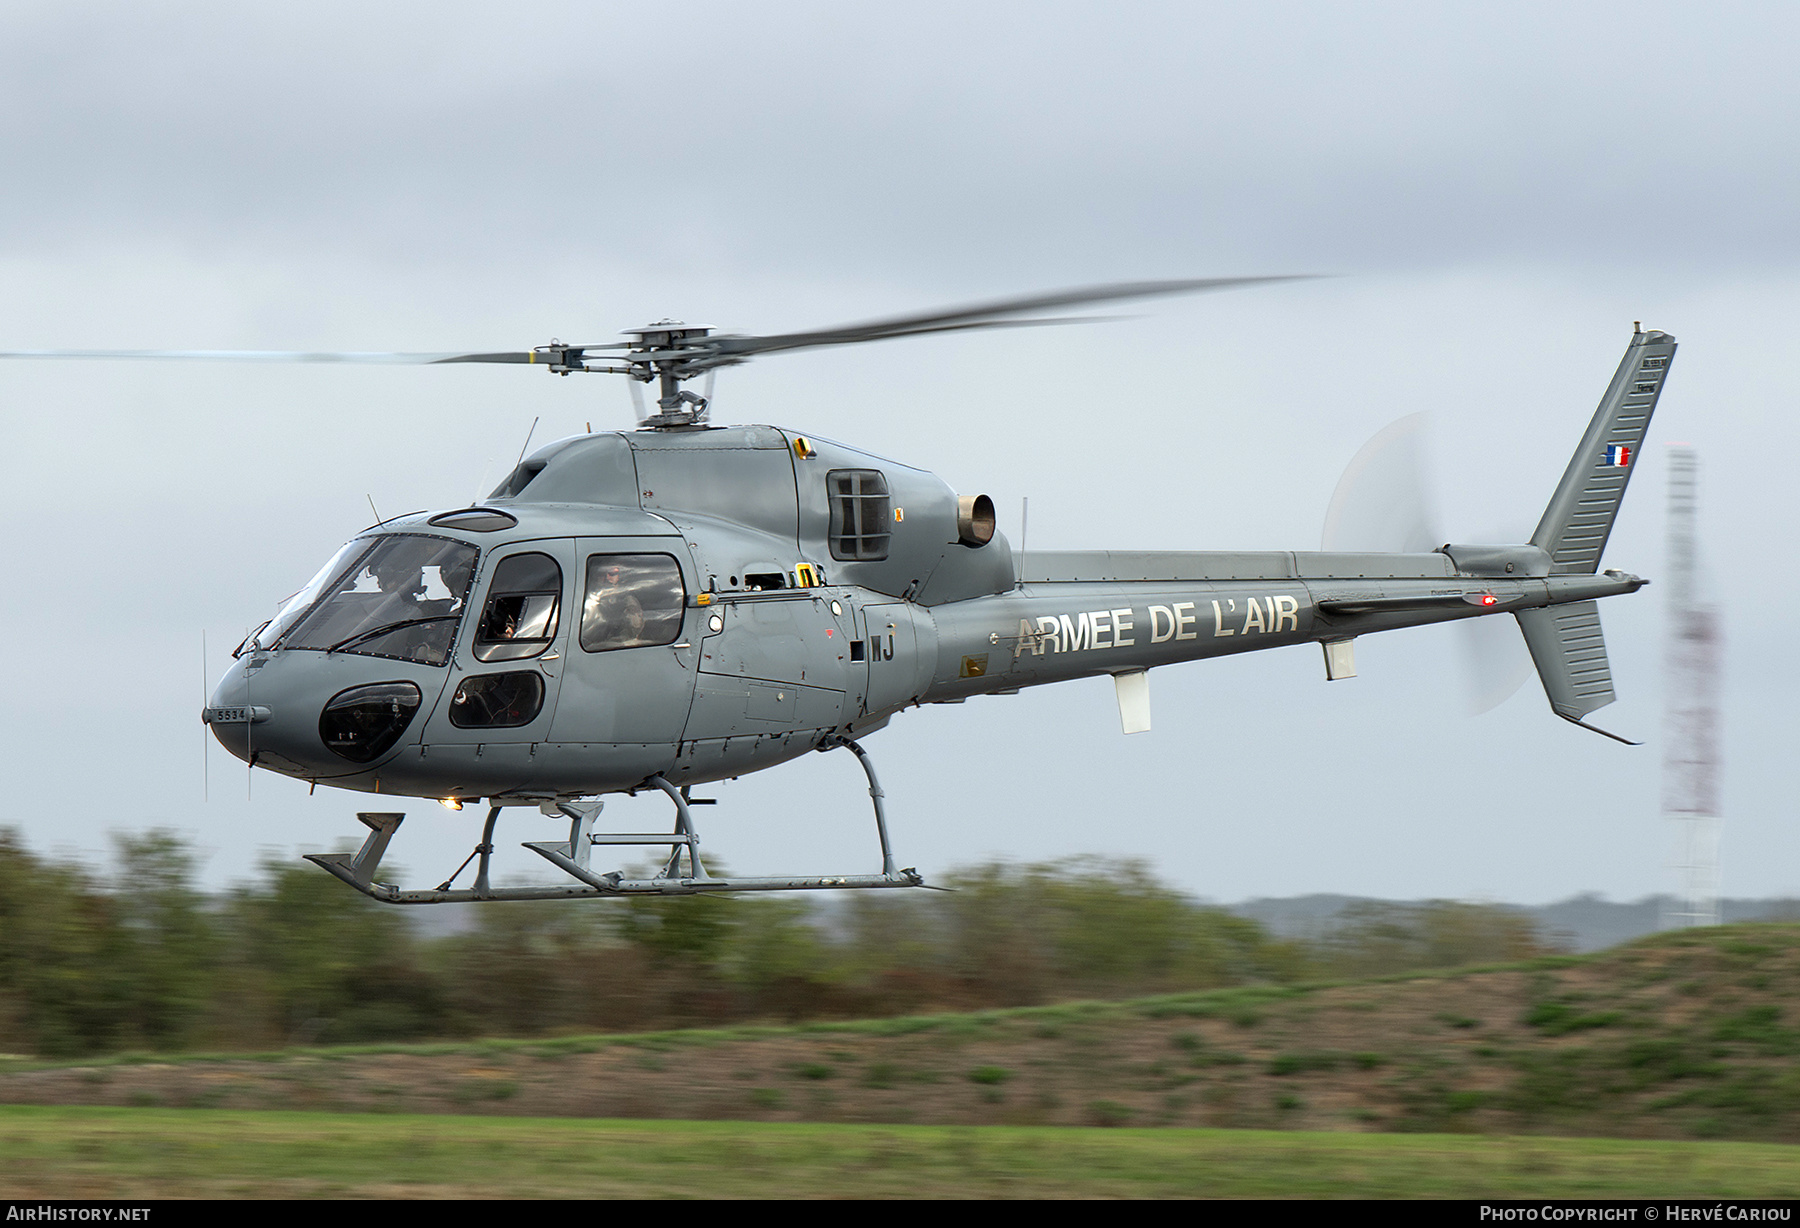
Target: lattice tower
1690	799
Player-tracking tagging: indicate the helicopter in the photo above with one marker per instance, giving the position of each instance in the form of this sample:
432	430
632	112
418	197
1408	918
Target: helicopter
684	603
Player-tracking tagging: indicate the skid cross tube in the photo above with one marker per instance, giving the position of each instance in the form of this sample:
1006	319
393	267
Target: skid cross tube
670	881
571	856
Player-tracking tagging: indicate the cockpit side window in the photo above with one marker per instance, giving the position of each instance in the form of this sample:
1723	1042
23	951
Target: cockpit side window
631	601
403	599
520	618
859	514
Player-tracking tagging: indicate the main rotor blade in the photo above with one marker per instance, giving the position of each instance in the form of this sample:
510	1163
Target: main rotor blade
973	315
400	359
693	354
732	357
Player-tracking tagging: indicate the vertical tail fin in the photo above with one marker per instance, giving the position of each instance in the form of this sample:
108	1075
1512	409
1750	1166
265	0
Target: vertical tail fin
1565	640
1580	517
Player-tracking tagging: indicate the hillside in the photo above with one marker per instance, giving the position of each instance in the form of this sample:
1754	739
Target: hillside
1582	923
1681	1035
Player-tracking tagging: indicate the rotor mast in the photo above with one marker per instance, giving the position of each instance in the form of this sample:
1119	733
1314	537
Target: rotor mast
664	352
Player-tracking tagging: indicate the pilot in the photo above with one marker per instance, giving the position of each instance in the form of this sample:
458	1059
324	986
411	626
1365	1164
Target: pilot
612	610
456	574
403	583
398	575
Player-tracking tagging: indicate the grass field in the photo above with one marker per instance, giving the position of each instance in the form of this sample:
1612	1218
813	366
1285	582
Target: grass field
1691	1036
55	1152
1662	1069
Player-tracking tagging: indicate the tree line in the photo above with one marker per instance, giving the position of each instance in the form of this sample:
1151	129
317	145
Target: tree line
148	961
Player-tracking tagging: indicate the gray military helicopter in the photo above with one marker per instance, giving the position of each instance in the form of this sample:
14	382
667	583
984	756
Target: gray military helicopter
684	603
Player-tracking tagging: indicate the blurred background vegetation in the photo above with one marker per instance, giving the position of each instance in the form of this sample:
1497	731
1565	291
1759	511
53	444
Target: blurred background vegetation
145	960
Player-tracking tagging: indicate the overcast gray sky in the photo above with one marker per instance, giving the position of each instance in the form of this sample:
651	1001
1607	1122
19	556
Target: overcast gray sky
1500	190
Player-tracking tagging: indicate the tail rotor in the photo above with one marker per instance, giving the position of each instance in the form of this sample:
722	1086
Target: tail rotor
1384	502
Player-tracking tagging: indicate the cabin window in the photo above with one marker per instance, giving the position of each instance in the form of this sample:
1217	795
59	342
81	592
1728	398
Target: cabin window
631	601
363	723
497	701
860	514
519	620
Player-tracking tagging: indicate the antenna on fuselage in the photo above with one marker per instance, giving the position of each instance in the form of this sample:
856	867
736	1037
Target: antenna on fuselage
1024	524
526	444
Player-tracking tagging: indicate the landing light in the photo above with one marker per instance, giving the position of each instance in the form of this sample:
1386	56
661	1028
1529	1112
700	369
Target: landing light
450	803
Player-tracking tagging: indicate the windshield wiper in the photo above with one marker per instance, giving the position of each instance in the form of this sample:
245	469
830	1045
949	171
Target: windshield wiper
250	639
360	636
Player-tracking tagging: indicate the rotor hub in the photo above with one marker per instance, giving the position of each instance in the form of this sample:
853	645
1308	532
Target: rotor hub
665	333
666	352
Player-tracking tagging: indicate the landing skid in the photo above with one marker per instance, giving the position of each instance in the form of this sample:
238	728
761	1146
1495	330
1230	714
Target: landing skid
572	857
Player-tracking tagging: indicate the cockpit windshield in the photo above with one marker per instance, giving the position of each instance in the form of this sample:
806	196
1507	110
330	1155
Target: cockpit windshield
271	632
401	597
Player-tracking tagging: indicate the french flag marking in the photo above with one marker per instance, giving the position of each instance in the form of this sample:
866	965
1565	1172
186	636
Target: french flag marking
1618	455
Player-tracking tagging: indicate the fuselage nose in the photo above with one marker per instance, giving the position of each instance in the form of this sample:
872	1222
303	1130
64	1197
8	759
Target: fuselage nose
230	714
240	710
319	716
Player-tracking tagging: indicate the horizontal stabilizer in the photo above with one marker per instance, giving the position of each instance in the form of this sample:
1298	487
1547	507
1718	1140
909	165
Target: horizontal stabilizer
1570	654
